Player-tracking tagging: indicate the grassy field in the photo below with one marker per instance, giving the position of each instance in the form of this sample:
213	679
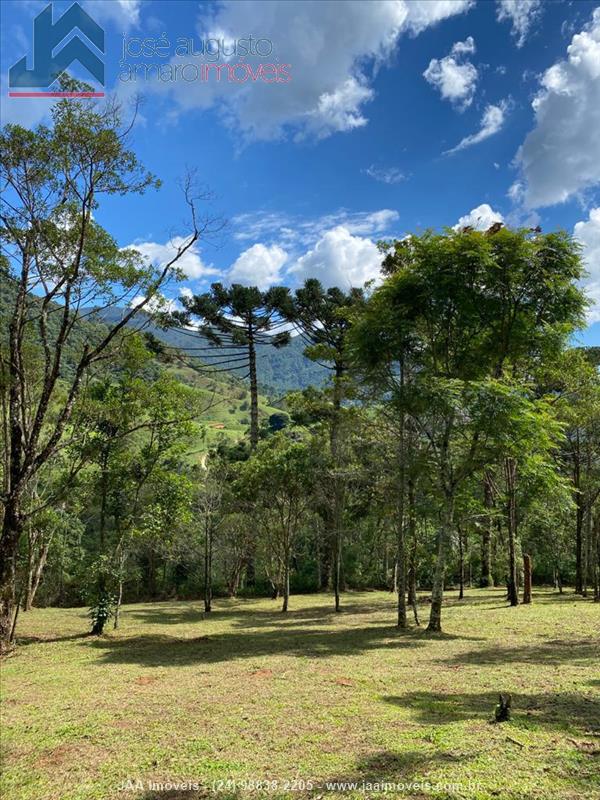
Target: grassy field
247	694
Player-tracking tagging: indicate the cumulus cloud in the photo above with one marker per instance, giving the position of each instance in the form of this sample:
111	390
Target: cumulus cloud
454	77
523	14
480	218
293	232
492	121
387	175
588	233
561	155
190	264
259	265
339	258
333	55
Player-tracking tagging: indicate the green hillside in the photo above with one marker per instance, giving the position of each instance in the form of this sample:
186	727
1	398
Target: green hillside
225	399
279	370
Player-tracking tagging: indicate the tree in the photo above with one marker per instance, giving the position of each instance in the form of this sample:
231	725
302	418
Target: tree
134	430
210	503
278	479
464	306
237	320
62	263
323	318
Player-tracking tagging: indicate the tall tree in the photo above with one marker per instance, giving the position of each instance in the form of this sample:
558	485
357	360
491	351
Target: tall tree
279	479
236	320
323	317
62	262
465	306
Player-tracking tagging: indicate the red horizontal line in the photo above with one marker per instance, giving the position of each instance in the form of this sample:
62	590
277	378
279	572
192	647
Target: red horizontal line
56	94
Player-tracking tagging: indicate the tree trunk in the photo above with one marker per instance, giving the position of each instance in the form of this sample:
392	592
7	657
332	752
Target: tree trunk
118	605
286	585
208	568
578	519
510	468
461	565
588	548
526	578
12	527
34	579
412	536
338	495
437	592
486	537
597	559
337	565
253	389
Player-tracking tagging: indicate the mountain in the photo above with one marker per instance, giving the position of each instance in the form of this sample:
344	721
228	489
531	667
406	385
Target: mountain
225	399
279	370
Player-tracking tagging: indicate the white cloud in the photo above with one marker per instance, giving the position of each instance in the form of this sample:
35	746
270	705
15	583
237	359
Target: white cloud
333	49
190	263
455	78
561	155
387	175
492	121
293	232
339	259
259	265
463	48
122	12
588	233
480	218
156	303
522	14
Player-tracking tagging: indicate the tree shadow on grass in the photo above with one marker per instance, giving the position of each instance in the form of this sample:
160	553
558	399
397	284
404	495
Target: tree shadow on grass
552	651
23	641
162	650
557	710
400	770
243	615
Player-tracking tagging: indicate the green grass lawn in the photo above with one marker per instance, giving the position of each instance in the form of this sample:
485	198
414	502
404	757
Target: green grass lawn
247	694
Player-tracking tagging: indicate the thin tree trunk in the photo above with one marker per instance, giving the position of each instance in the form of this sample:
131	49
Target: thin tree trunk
208	568
437	592
401	553
588	548
286	584
510	467
461	564
597	559
578	517
253	389
527	577
35	577
486	537
412	536
337	511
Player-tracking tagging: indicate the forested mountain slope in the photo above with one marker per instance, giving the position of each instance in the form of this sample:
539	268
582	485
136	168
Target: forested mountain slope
279	370
225	398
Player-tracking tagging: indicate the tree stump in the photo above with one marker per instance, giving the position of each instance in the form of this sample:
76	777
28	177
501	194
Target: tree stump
526	578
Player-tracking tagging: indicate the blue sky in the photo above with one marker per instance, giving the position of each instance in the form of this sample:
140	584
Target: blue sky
398	116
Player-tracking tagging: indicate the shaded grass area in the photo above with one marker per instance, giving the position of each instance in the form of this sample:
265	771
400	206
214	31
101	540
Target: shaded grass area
246	694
